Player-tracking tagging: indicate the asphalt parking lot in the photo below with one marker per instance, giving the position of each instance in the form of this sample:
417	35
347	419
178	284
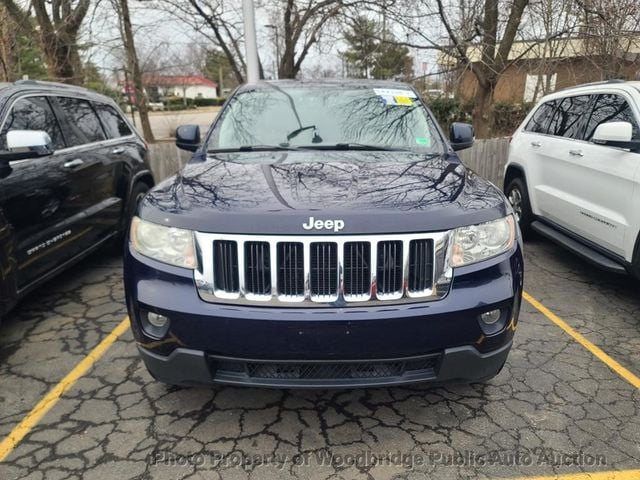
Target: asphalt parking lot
567	402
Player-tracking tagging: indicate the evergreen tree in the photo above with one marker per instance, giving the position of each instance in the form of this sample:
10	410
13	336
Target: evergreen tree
371	54
363	44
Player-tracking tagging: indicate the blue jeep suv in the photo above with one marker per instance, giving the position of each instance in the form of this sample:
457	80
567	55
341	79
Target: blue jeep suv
324	234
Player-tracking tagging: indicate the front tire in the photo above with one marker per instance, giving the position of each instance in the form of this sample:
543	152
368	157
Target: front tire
635	264
518	197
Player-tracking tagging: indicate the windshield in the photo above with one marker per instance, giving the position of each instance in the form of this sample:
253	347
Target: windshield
326	117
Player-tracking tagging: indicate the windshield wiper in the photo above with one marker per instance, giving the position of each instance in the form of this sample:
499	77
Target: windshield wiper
359	146
252	148
316	138
298	131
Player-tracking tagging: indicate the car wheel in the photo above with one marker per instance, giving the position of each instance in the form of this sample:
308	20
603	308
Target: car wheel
635	264
518	197
140	189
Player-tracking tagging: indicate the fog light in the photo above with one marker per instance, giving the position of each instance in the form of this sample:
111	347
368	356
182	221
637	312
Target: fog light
490	317
157	320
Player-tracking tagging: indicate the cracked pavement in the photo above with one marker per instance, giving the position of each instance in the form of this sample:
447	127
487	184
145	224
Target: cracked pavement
553	397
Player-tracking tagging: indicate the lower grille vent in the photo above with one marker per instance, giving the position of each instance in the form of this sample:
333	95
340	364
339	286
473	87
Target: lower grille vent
323	370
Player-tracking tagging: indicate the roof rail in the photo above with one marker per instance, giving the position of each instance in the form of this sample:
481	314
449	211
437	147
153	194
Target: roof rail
601	82
46	84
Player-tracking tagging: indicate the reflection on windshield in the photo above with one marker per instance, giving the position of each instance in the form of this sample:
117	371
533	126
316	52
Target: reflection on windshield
325	116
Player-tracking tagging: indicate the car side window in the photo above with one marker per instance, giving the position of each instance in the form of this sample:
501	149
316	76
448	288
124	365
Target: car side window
114	124
611	108
83	125
32	113
568	118
540	119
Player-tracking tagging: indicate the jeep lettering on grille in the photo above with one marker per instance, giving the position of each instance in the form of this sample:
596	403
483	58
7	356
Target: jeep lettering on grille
313	224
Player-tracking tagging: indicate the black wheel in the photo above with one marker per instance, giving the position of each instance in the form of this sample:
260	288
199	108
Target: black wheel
518	197
635	264
138	192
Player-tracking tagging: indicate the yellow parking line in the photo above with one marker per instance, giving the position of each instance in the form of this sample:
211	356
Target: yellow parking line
610	475
51	398
582	340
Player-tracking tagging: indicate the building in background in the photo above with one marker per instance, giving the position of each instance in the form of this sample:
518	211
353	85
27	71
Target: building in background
183	86
541	67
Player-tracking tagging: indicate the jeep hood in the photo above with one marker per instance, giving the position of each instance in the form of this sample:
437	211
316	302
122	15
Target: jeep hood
276	192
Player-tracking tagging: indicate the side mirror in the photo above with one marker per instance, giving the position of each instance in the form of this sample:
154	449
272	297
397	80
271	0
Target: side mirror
23	144
188	137
616	134
461	136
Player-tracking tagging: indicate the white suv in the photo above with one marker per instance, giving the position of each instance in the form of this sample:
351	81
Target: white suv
573	173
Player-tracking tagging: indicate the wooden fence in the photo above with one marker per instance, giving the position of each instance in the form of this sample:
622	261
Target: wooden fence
486	157
166	159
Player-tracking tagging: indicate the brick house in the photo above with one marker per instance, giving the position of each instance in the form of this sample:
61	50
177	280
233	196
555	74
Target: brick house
539	68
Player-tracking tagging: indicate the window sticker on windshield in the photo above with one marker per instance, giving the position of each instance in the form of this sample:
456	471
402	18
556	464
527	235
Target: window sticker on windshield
396	100
401	100
424	141
394	92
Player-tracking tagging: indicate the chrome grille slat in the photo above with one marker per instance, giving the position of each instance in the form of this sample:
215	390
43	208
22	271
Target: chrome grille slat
257	268
390	269
323	270
421	266
357	271
291	270
226	266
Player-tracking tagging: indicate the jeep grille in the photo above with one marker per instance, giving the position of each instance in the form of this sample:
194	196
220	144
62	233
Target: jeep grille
322	270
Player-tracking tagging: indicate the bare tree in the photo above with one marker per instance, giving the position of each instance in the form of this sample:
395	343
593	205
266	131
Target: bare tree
301	23
58	25
133	67
610	34
7	46
493	53
478	35
219	21
553	24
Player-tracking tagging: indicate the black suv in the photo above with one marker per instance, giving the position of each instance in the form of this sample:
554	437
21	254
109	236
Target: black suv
72	170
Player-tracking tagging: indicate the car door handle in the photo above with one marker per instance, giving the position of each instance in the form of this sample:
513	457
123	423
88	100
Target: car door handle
576	153
536	144
73	163
117	150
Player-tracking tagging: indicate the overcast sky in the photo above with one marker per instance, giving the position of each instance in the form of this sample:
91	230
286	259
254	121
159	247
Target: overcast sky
160	34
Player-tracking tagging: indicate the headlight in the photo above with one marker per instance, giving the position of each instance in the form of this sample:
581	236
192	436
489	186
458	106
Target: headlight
479	242
170	245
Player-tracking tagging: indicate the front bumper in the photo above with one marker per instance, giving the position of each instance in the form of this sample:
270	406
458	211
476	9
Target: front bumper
325	347
193	367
